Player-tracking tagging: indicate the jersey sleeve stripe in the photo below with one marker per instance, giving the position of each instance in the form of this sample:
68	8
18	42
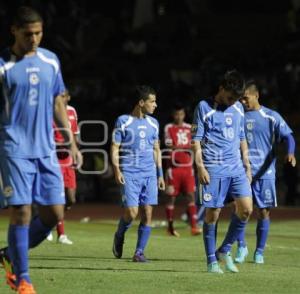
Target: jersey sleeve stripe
272	118
127	123
152	124
207	115
240	112
49	60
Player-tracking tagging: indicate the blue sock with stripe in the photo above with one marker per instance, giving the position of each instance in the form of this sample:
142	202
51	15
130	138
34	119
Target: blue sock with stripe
38	232
143	237
262	231
235	229
209	238
18	238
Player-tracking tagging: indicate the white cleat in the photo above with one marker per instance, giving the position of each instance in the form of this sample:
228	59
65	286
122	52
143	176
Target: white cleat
63	239
50	237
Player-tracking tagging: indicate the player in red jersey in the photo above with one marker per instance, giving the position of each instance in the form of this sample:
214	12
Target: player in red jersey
67	167
180	174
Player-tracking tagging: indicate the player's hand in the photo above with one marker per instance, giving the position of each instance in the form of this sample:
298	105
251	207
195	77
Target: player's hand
119	178
203	176
291	159
77	158
161	184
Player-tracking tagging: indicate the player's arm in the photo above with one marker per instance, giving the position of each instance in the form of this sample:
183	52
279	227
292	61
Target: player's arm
158	162
61	120
115	159
245	159
290	145
203	174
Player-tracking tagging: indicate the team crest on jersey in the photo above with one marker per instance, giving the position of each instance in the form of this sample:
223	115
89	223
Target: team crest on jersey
34	79
228	120
142	134
207	197
249	126
8	191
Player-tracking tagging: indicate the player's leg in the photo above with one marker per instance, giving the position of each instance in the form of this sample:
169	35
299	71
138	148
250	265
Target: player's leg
130	192
147	199
212	198
18	176
264	193
241	191
188	187
144	231
170	206
172	191
242	249
262	231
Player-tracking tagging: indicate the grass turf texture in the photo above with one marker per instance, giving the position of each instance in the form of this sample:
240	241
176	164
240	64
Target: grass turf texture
177	265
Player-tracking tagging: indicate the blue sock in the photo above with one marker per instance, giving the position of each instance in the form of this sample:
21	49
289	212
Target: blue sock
38	232
143	236
241	237
235	228
123	227
18	250
209	238
262	230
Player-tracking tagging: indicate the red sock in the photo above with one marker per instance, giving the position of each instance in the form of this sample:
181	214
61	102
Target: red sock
193	215
170	213
60	228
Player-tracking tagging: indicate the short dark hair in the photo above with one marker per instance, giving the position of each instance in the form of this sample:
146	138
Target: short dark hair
26	15
178	106
142	92
234	82
252	85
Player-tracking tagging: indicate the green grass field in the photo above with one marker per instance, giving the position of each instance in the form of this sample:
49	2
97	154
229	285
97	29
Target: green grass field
176	265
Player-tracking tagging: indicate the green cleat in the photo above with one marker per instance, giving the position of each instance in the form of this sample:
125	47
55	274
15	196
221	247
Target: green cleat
214	268
241	254
258	258
227	259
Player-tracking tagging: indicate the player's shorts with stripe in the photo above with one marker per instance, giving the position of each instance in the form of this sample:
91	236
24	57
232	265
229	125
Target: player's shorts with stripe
68	172
214	194
139	191
180	180
264	193
25	181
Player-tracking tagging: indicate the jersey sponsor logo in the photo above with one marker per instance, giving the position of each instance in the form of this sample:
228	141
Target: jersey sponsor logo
34	79
207	197
142	134
8	191
142	127
33	69
228	120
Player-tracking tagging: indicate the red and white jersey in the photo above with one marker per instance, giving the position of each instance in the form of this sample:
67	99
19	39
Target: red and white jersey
179	137
72	117
58	137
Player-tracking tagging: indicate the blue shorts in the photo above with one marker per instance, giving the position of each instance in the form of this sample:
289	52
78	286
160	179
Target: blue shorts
264	193
215	193
139	191
25	181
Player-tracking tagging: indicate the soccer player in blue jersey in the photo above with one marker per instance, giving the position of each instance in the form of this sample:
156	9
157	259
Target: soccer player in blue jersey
136	159
223	168
264	129
31	85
